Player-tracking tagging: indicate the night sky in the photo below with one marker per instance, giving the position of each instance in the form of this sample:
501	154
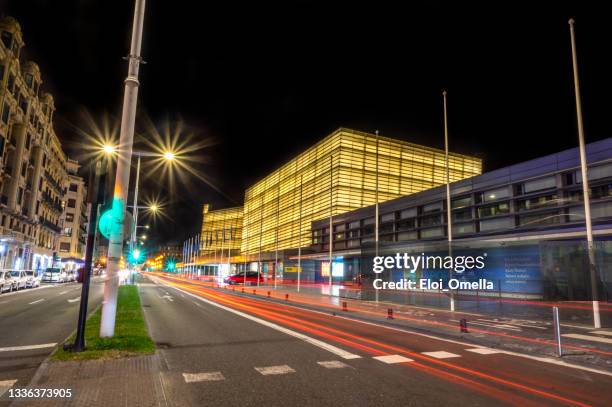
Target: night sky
267	81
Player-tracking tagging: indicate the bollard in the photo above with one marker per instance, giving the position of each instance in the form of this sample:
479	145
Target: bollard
557	325
390	313
268	294
254	292
286	297
242	290
233	288
344	306
463	325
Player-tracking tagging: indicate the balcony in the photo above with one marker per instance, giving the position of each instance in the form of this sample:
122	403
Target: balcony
48	224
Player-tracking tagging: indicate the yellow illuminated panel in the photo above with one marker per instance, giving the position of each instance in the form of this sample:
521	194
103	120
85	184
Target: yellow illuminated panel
338	175
221	231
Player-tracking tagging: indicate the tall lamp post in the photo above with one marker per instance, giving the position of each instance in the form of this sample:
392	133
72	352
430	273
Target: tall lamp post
126	139
585	183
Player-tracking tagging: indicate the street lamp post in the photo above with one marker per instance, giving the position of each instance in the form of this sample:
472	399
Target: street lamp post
585	183
126	139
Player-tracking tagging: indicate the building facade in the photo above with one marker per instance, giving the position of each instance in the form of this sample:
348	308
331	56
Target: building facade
74	232
221	234
528	218
346	170
33	170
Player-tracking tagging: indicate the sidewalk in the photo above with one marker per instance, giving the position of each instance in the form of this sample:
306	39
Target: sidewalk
134	382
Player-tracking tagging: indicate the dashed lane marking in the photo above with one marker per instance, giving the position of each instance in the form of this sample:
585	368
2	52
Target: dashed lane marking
203	377
601	332
5	385
333	364
441	354
37	301
587	338
391	359
27	347
275	370
74	299
484	351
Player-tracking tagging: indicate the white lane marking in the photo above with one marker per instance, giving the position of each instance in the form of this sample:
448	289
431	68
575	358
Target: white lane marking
203	377
511	323
5	385
74	299
274	370
323	345
333	364
63	292
499	326
577	326
601	332
588	338
37	301
484	351
27	347
197	304
441	354
540	359
390	359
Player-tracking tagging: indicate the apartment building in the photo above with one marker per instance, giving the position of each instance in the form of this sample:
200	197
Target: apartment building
33	166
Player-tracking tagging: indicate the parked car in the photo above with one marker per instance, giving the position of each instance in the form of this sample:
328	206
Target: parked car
7	283
251	278
54	275
33	279
21	279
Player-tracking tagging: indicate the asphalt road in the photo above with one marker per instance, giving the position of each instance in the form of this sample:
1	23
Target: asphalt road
225	349
32	321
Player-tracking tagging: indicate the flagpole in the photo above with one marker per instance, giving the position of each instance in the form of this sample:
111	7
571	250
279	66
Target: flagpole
331	217
585	183
376	216
448	198
299	270
261	208
276	237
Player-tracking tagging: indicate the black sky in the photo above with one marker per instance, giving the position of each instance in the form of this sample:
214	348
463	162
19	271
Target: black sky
268	79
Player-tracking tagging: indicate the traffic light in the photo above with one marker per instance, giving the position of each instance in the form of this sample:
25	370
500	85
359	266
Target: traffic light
171	266
136	255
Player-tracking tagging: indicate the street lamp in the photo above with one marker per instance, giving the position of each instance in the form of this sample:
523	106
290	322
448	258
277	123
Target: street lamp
167	156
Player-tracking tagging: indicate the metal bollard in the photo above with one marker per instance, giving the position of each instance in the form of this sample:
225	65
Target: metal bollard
254	292
390	313
286	297
242	290
557	325
268	294
463	325
344	306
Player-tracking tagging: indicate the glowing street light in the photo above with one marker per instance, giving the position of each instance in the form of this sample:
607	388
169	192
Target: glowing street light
169	156
109	149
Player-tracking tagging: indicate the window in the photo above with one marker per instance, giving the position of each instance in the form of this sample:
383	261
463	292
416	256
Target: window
71	203
539	184
408	213
388	217
406	224
537	202
28	141
495	224
462	229
429	233
69	217
548	218
7	39
433	207
493	210
29	80
64	247
602	171
24	168
431	220
463	214
495	194
354	225
6	111
461	202
67	231
602	191
403	236
1	72
74	187
11	82
19	196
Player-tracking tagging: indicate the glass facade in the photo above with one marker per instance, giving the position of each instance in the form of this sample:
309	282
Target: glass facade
338	175
221	232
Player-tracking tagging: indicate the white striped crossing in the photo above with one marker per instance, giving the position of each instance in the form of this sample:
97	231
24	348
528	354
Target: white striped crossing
332	364
203	377
441	354
274	370
392	359
484	351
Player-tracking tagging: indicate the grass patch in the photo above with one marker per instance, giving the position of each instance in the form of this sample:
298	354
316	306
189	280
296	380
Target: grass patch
131	336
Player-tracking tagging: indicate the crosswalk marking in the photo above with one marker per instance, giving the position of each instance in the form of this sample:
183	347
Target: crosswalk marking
274	370
588	338
333	364
203	377
27	347
441	354
601	332
390	359
5	385
483	351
